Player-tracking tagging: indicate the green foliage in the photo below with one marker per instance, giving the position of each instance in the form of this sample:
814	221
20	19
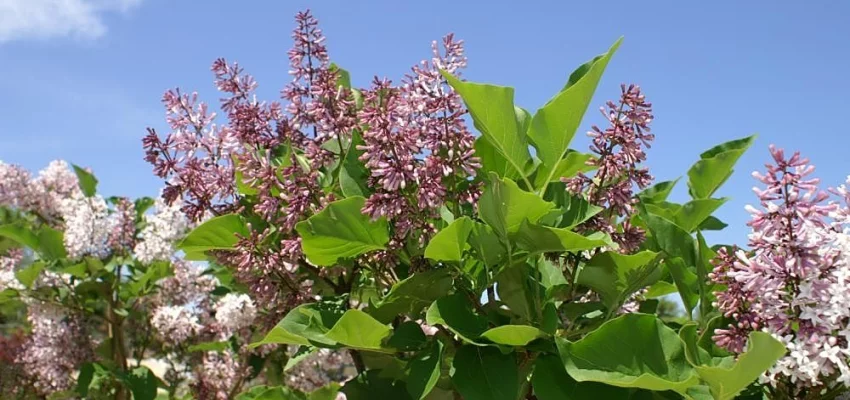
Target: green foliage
88	183
217	233
341	231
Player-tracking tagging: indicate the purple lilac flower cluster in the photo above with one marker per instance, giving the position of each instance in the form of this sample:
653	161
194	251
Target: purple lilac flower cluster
794	282
415	146
619	149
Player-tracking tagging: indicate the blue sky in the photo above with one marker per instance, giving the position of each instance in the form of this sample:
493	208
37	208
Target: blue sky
81	79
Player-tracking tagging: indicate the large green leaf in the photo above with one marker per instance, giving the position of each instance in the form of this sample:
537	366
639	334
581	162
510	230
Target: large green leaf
359	330
449	243
671	238
455	313
407	336
572	163
493	113
303	325
87	181
520	291
484	373
374	384
413	294
695	212
633	351
542	239
352	173
657	192
687	282
615	276
551	382
217	233
487	244
576	209
425	370
513	335
46	241
726	377
143	383
555	124
341	231
715	167
27	276
504	206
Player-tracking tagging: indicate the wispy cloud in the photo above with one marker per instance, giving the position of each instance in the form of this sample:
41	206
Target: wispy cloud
46	19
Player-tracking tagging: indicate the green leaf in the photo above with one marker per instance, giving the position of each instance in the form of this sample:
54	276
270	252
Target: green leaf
20	234
343	76
455	313
372	384
513	335
487	244
504	206
658	192
712	224
425	371
413	294
686	282
554	125
569	166
660	289
493	113
142	383
632	351
210	346
407	336
715	167
328	392
352	173
28	275
519	291
694	212
616	276
359	330
51	243
484	373
726	377
542	239
551	382
449	243
217	233
576	209
303	325
341	231
671	238
87	181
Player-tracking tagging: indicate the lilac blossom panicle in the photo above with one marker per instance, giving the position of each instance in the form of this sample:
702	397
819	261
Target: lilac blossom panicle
794	283
162	229
319	369
88	226
417	146
619	150
55	349
41	195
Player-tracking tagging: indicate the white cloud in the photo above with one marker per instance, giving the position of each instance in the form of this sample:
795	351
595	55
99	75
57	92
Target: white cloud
44	19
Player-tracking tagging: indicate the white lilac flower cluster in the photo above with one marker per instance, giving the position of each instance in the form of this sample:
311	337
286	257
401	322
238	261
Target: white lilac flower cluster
795	282
88	226
56	347
162	230
234	312
175	324
43	194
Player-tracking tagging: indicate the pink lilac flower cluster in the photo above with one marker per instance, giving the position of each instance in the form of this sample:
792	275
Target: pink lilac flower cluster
185	313
414	143
55	349
41	195
794	282
162	229
618	150
319	369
